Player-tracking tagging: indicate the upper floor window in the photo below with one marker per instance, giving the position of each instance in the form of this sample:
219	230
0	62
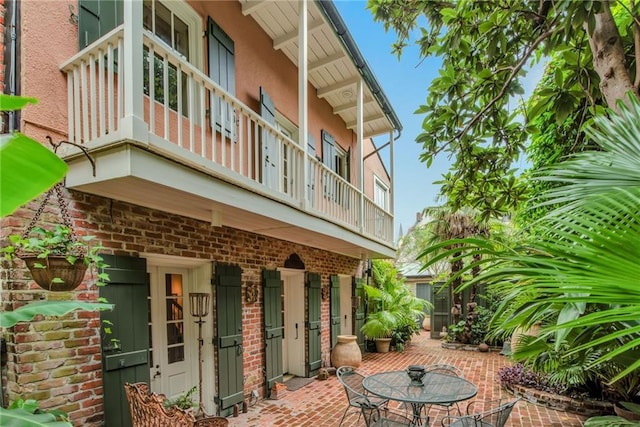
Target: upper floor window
380	193
176	25
166	25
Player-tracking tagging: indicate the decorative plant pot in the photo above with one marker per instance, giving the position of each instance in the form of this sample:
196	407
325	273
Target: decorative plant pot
426	323
346	352
383	344
483	347
416	373
56	267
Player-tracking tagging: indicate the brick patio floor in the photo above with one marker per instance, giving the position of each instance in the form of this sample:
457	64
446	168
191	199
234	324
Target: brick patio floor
322	403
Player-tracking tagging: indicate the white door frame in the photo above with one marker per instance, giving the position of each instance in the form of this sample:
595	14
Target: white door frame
199	280
294	342
346	309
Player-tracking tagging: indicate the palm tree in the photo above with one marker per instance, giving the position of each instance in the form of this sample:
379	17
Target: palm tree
580	275
447	226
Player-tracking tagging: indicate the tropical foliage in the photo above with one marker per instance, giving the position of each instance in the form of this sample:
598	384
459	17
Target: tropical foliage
472	112
578	277
392	307
28	169
22	157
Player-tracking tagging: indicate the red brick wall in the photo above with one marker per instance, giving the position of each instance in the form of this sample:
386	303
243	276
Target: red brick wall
58	360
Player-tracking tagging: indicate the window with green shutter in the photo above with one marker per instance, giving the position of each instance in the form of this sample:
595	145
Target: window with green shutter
96	18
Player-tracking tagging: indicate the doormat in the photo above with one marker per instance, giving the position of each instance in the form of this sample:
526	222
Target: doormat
295	383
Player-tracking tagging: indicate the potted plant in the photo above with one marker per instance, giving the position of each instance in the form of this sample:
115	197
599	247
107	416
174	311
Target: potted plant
379	327
56	258
184	401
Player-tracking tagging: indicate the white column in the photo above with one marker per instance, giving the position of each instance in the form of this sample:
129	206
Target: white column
132	123
359	149
303	97
393	178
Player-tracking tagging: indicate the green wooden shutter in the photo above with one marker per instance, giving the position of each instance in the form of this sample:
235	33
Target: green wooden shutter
269	146
314	330
441	314
96	18
348	166
273	327
335	309
423	290
222	70
359	315
228	282
329	150
127	289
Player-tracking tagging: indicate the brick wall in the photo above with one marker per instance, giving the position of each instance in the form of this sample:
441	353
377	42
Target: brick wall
59	361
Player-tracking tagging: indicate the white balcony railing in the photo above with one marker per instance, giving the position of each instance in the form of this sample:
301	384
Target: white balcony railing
191	117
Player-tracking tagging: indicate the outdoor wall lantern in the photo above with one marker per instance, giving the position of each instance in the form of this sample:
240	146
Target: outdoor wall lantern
199	305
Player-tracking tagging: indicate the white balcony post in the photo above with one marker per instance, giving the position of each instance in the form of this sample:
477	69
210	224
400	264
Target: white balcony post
393	181
132	123
359	149
303	97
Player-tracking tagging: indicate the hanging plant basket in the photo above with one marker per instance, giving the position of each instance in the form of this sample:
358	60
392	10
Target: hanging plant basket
56	273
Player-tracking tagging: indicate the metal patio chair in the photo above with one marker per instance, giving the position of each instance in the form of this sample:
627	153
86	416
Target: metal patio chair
445	370
374	418
497	416
356	394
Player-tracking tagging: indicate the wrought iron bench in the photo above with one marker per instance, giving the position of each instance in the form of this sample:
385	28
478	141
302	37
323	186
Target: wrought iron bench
147	410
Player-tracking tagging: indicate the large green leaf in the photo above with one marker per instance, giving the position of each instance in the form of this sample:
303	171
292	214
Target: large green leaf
27	169
47	308
11	103
20	418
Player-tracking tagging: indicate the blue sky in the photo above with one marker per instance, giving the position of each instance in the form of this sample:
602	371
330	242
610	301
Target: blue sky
405	83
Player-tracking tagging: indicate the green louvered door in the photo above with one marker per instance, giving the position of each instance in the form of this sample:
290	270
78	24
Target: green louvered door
441	314
359	315
128	289
314	330
335	309
273	327
228	282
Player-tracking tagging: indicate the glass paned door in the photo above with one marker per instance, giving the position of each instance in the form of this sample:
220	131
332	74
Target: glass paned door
170	371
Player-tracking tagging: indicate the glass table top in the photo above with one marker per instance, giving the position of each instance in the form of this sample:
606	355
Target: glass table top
435	389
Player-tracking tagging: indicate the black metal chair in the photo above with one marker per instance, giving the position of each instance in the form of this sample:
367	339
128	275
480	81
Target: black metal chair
444	369
497	416
357	395
373	418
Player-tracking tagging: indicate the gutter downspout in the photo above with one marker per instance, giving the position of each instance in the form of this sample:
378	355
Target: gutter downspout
11	63
390	141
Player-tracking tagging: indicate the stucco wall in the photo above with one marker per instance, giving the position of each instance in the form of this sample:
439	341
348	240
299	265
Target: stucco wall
50	37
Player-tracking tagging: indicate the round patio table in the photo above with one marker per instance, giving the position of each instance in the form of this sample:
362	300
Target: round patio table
435	389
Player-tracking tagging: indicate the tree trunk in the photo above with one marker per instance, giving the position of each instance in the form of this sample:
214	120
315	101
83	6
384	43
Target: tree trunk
609	59
456	310
472	314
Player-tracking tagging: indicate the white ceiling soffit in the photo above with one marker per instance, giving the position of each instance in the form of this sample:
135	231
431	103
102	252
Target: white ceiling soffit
331	70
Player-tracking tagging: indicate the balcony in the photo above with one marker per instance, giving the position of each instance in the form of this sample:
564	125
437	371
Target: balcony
195	150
